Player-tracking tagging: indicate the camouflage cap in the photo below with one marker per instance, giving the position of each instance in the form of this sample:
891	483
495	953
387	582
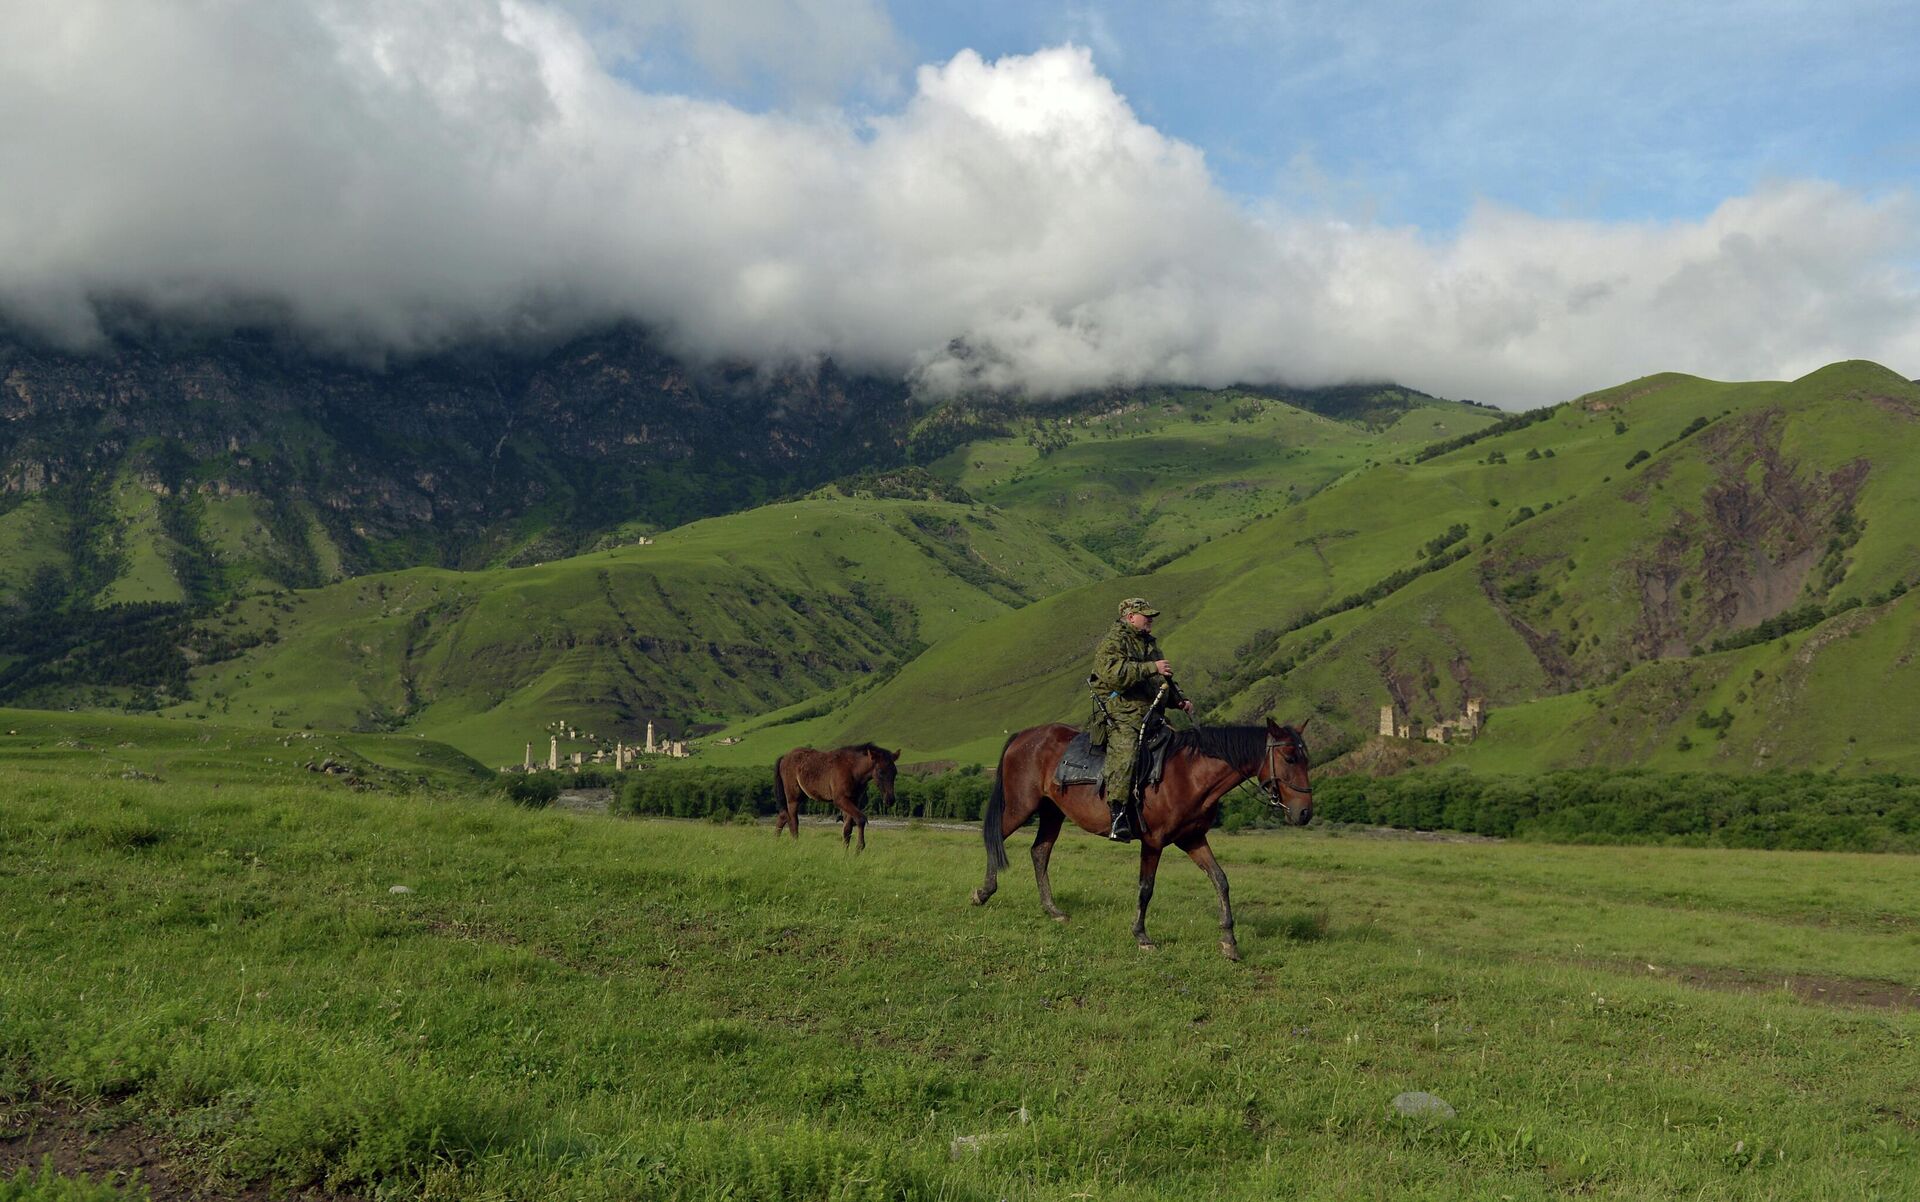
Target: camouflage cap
1137	605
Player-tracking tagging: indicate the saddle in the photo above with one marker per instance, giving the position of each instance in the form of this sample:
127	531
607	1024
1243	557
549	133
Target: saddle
1082	764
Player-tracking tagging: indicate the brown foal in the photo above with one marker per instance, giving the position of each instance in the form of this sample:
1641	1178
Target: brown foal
839	776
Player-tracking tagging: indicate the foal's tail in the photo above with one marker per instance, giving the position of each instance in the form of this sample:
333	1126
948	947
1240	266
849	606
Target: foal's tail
996	812
780	787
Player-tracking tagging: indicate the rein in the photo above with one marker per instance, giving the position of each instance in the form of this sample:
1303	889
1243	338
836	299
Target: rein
1269	790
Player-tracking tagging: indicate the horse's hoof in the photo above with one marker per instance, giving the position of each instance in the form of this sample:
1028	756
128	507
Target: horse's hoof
1148	945
1056	915
1230	950
980	897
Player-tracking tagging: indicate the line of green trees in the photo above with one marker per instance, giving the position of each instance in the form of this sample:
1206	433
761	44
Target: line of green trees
1505	425
1799	618
1800	811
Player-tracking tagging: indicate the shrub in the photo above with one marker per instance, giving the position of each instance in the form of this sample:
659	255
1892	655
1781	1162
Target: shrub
536	790
1802	811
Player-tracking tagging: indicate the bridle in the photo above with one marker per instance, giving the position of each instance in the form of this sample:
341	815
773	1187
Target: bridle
1271	790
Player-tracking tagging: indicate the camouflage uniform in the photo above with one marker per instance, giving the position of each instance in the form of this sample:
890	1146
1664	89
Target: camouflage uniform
1125	683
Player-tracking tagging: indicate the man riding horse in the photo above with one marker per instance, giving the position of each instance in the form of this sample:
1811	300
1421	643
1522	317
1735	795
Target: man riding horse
1131	679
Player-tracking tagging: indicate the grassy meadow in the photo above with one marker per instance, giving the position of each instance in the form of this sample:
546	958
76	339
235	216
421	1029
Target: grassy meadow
578	1006
89	746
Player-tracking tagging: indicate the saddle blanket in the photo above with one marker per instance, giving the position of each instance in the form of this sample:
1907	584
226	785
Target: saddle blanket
1082	765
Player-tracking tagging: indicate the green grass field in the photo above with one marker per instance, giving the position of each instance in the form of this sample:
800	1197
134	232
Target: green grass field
571	1006
121	746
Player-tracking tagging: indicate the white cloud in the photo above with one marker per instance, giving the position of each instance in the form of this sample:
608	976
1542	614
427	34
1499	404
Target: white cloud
813	49
402	176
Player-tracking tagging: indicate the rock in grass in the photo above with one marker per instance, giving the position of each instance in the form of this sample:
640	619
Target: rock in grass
399	889
1418	1104
962	1145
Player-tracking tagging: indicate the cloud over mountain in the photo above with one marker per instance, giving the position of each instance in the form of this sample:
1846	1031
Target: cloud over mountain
398	177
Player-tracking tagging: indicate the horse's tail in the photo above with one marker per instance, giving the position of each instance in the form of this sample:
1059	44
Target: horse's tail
780	786
996	811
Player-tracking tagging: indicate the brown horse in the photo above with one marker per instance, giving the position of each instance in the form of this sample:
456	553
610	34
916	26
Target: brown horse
1203	766
839	776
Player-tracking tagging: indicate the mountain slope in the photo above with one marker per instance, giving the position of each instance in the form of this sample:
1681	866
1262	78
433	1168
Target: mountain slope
1836	696
170	467
1149	475
1532	562
179	467
1607	575
728	616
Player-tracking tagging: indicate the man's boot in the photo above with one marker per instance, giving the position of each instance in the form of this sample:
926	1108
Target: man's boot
1121	830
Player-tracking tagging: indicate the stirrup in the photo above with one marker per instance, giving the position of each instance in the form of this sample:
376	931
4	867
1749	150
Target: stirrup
1120	830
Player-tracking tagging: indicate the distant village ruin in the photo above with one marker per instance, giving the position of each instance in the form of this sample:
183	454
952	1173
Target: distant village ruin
619	755
1461	729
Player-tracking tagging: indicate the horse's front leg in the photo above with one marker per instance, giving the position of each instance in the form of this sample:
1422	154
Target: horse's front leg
1149	865
1203	856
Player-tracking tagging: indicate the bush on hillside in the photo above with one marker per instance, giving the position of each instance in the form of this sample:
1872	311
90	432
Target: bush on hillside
536	791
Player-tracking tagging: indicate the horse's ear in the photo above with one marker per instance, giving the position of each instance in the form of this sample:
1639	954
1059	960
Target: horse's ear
1302	728
1272	725
894	755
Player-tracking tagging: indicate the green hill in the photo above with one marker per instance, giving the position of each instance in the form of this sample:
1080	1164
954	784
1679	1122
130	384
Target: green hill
723	617
1839	695
1676	571
1544	559
1150	475
766	612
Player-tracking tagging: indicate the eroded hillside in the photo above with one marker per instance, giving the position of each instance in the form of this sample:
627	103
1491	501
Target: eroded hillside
1619	534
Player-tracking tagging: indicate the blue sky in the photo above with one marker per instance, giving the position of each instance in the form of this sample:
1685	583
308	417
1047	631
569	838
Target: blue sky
1411	112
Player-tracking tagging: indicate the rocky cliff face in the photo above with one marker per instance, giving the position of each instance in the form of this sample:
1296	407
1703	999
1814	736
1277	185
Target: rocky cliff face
459	459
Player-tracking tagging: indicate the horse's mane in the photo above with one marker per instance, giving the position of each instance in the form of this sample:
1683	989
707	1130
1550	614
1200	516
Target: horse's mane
872	749
1234	744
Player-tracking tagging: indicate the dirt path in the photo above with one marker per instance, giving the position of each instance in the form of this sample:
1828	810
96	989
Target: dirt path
1820	990
90	1140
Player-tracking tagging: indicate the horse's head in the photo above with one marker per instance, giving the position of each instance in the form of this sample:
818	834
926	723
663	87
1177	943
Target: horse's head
886	766
1283	772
